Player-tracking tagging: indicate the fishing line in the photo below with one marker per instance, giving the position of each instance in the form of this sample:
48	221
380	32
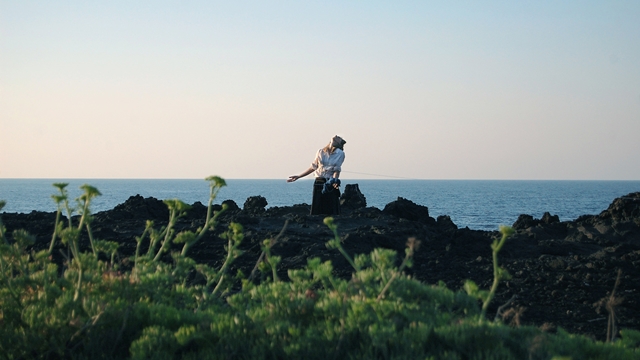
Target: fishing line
378	175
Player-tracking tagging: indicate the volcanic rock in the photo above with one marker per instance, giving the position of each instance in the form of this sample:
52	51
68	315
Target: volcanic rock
255	205
352	198
407	209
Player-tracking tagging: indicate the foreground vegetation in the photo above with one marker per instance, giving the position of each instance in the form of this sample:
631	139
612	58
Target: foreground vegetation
161	304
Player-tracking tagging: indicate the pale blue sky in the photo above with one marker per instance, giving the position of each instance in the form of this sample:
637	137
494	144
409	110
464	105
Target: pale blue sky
251	89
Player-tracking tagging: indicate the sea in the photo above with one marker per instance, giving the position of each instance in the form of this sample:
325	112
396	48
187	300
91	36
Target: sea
476	204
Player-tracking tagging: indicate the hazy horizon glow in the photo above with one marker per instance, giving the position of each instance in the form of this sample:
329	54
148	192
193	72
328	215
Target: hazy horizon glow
419	90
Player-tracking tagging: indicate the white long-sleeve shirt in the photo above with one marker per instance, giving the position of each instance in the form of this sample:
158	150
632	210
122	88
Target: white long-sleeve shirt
325	164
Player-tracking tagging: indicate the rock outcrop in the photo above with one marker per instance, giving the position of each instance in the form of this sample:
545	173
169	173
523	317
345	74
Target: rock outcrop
352	198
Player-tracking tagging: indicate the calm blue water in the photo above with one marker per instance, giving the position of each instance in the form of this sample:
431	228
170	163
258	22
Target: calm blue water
478	204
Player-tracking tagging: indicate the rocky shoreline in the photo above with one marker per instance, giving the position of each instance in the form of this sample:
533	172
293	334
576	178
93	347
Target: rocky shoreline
560	270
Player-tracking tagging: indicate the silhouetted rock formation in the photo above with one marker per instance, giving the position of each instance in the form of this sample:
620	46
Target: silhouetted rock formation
407	209
255	205
352	198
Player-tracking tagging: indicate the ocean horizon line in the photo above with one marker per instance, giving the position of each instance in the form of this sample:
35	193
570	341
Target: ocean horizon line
306	178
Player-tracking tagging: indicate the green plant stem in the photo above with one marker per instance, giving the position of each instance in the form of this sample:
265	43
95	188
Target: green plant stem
215	184
93	248
55	230
494	285
210	224
497	272
235	236
140	240
76	244
76	296
337	243
66	205
226	264
212	196
153	242
84	213
406	260
349	259
272	265
610	307
168	232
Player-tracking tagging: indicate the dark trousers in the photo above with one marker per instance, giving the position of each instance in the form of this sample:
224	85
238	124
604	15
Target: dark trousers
327	203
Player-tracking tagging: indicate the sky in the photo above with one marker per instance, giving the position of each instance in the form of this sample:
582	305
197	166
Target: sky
538	90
